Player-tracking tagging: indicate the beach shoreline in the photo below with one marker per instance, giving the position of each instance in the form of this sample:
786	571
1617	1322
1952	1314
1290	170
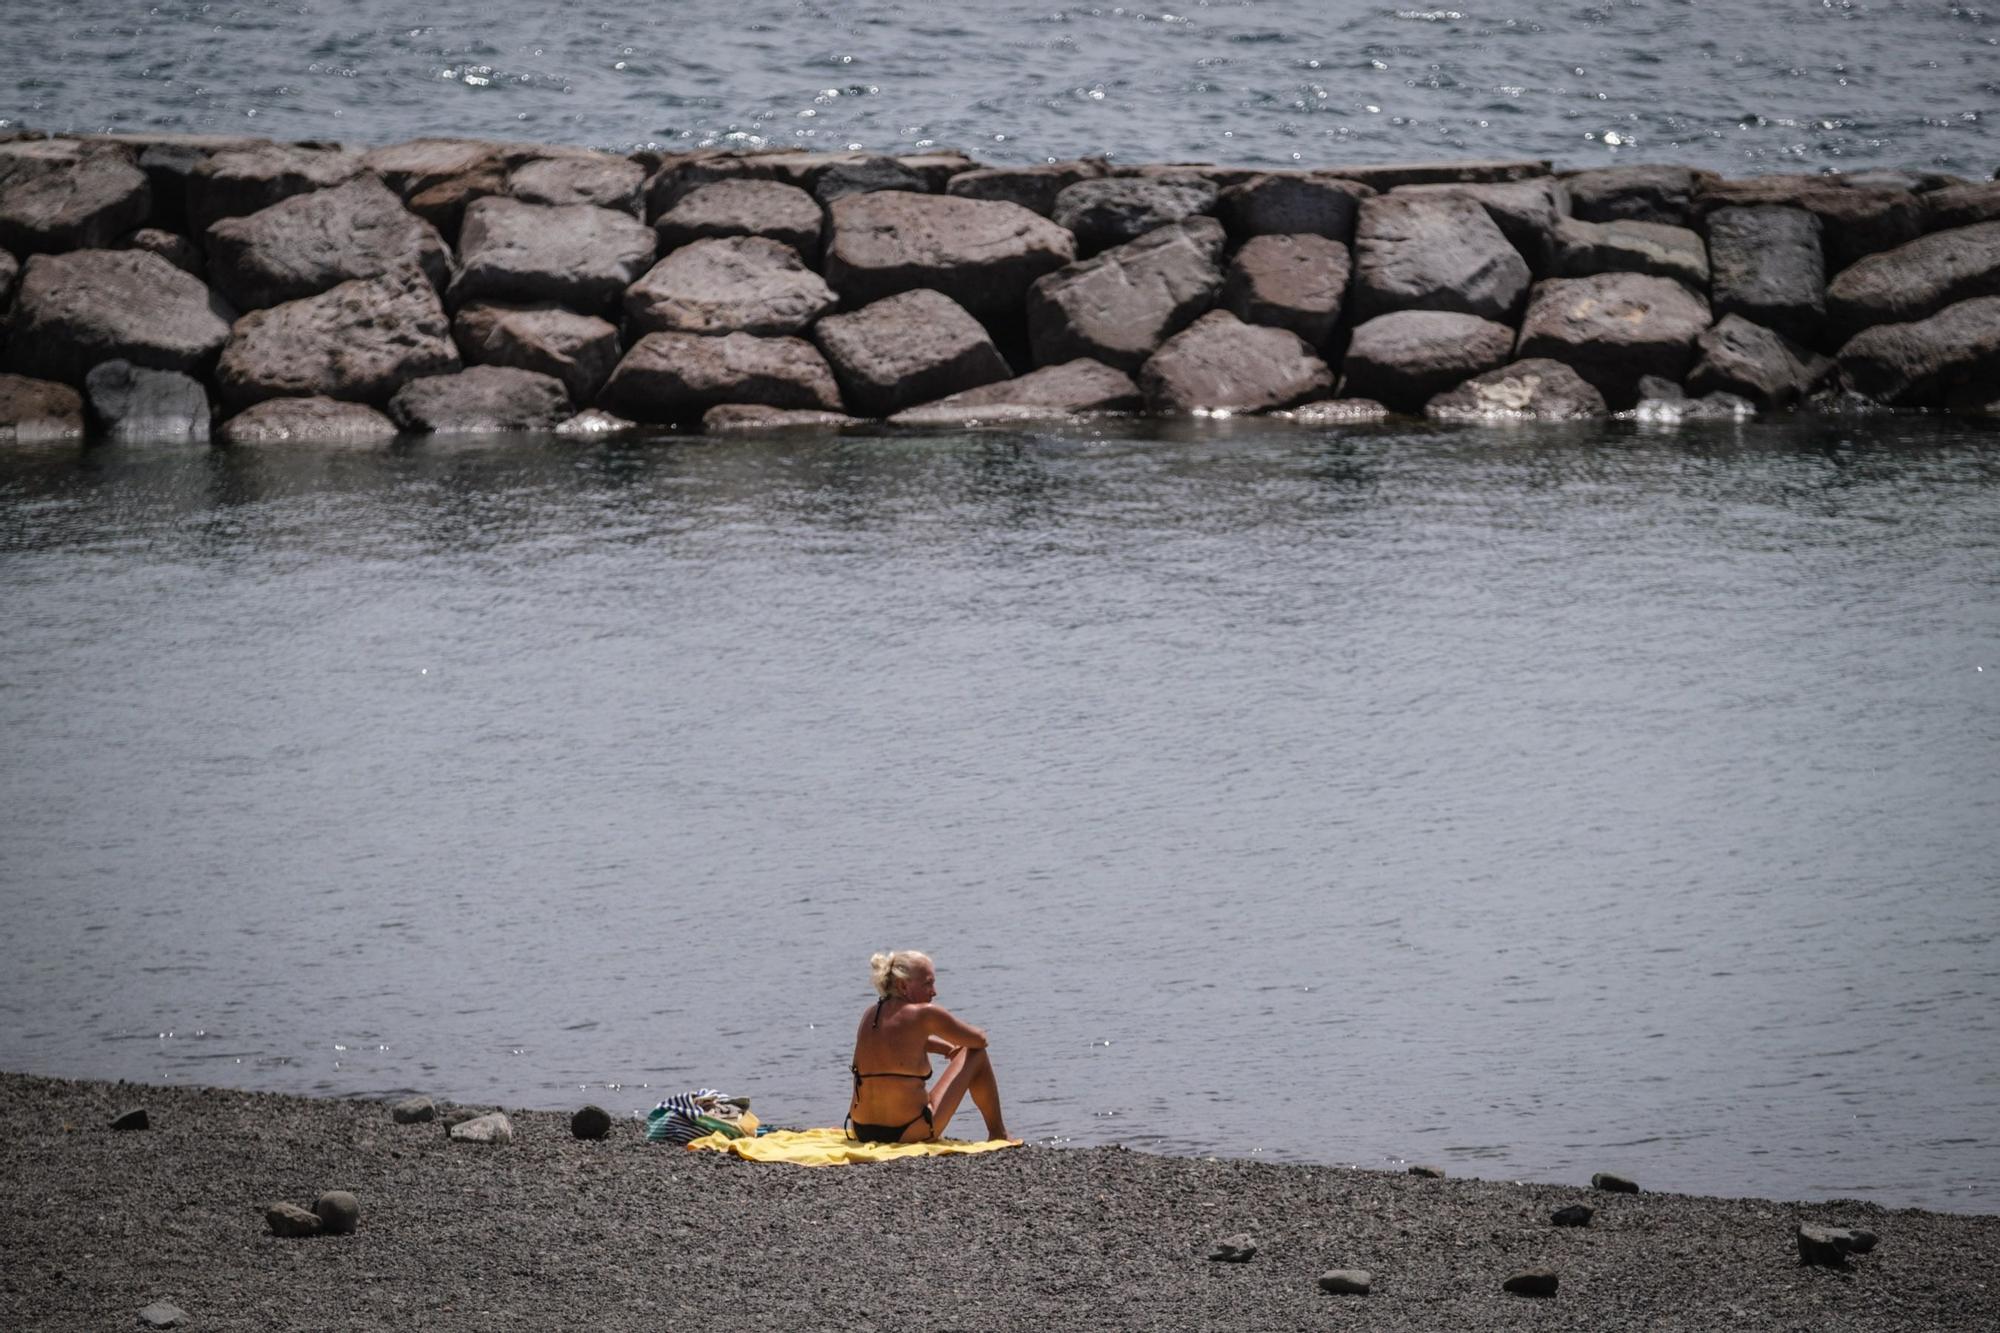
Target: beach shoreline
551	1231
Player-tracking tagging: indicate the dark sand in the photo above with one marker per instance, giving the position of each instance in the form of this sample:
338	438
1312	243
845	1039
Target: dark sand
553	1233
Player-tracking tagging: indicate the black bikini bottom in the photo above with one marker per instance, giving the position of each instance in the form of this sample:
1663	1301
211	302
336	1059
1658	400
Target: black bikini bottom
888	1133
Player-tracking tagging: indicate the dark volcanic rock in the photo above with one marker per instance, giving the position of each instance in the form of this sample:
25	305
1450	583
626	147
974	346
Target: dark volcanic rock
1962	205
907	349
443	205
129	402
1289	282
1614	1184
749	419
56	194
1641	193
480	401
1766	265
1117	209
1526	212
980	253
1828	1247
582	256
1434	252
1613	328
32	410
1422	1169
1760	364
1950	359
1408	358
678	376
1033	188
171	246
306	244
1853	222
75	310
1917	279
1119	306
600	180
411	1110
590	1122
362	341
1572	1215
1532	1282
338	1211
1221	364
1292	203
1531	390
136	1118
1237	1249
1346	1282
1394	175
867	175
745	208
579	350
729	284
1581	249
312	421
234	184
1052	392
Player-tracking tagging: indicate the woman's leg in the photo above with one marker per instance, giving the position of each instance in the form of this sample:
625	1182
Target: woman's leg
967	1071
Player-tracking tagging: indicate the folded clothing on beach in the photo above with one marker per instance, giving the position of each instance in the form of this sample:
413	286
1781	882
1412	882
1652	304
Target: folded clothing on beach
832	1147
692	1115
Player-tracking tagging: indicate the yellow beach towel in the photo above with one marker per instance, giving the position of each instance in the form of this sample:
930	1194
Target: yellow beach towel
832	1147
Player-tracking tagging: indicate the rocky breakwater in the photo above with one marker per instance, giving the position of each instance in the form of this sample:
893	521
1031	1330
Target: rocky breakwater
174	287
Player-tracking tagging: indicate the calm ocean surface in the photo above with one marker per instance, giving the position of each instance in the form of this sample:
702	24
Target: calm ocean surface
1741	86
1530	803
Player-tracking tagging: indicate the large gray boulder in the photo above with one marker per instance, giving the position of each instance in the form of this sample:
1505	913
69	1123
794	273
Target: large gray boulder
1536	389
1581	249
1854	222
1948	359
907	349
129	402
1526	211
676	377
982	254
1053	392
443	205
362	341
244	181
1754	362
867	174
304	245
1918	279
729	284
1119	306
33	411
1434	252
1292	203
1289	282
579	350
1407	357
1219	364
745	208
480	400
1962	205
1647	193
1114	210
77	309
417	165
1767	266
56	194
600	180
580	255
1614	328
307	421
684	173
1033	188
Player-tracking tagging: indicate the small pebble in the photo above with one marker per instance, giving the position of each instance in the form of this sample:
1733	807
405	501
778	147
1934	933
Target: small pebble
290	1220
136	1118
1612	1184
1533	1282
494	1128
1576	1215
162	1315
1236	1249
590	1122
338	1212
1346	1281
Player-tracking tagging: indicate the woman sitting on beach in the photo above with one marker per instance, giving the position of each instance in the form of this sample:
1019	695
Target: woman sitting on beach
892	1049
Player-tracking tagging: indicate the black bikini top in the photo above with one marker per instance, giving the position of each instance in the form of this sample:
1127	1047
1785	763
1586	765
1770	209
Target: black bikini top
855	1069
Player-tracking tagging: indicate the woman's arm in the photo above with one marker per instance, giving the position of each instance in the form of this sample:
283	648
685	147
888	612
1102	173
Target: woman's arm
942	1024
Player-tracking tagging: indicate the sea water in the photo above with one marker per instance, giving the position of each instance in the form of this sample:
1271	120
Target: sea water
1526	802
